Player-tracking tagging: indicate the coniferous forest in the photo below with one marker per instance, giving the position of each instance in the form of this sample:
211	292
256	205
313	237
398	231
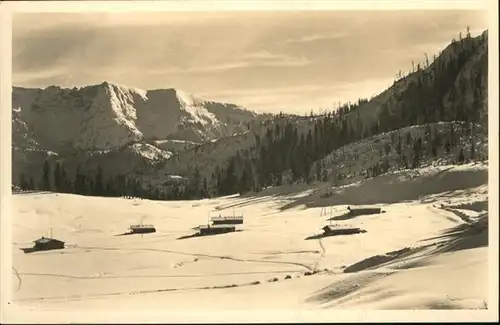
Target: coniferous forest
434	91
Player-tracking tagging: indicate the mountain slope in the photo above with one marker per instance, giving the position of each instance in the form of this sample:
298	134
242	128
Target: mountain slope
453	88
106	123
435	91
108	116
226	149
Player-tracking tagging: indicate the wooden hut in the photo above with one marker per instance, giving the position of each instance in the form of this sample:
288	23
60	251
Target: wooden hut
228	220
215	229
44	244
142	229
334	230
363	211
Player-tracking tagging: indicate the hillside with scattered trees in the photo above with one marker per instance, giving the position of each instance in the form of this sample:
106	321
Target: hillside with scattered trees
437	113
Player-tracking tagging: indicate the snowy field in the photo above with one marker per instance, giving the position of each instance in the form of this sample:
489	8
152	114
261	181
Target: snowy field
269	264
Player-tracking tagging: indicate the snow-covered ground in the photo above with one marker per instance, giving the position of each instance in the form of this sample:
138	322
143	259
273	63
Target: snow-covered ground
265	266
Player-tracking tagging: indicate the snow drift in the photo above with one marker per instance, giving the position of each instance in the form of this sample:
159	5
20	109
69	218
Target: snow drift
426	251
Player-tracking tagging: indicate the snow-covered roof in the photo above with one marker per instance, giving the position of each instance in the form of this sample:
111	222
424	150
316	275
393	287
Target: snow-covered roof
45	240
228	218
141	226
215	226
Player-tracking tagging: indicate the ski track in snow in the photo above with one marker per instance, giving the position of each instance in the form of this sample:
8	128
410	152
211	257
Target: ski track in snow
79	297
196	255
322	255
103	277
18	278
342	292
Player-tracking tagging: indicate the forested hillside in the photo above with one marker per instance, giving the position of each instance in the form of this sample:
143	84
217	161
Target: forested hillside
453	88
435	113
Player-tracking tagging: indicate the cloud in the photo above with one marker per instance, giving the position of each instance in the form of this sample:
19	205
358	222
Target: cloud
251	60
261	60
313	38
54	75
266	58
257	59
300	98
49	20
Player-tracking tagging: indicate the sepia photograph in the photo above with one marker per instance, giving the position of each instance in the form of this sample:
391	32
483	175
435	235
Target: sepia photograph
286	157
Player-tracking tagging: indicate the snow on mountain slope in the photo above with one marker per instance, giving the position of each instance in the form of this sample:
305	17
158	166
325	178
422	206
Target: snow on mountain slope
150	152
352	161
206	157
196	112
102	123
108	115
100	271
22	136
174	145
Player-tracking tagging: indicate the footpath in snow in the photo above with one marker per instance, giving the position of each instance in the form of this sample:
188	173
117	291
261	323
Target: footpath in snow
429	250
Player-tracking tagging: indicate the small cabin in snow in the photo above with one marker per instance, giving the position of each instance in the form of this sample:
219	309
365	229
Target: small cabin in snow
215	229
363	211
142	229
334	230
48	244
228	220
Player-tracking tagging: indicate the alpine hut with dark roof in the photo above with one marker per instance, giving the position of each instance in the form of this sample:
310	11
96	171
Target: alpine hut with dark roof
44	244
227	220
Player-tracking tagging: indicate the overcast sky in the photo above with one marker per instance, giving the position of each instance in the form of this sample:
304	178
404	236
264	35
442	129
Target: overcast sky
267	61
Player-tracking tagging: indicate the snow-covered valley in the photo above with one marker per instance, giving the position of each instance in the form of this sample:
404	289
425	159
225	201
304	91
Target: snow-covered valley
267	265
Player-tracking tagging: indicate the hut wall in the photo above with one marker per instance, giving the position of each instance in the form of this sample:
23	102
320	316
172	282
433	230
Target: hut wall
143	230
227	221
216	230
54	244
365	211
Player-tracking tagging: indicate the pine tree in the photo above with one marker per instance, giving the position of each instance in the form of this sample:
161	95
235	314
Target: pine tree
46	176
405	162
399	149
230	180
385	165
324	175
98	186
318	171
461	157
408	138
65	183
435	144
205	188
447	146
387	149
452	135
472	143
417	148
57	177
24	183
32	184
196	183
79	184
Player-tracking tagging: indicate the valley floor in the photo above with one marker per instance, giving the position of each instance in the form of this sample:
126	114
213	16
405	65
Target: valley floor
268	264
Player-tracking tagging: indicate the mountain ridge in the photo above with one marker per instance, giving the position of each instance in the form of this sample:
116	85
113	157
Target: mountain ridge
106	83
123	114
265	150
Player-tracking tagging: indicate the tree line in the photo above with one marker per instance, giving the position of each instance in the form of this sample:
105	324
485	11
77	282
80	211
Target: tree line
287	152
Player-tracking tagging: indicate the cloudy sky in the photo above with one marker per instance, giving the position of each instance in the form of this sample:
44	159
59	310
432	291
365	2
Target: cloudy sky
267	61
